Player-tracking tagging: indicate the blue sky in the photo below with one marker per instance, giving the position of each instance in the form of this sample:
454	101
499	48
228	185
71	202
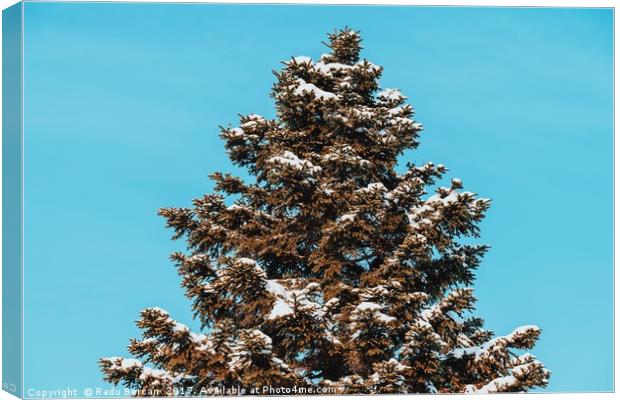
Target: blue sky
122	105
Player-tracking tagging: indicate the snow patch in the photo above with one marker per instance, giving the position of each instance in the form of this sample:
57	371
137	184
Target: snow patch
304	87
391	95
289	159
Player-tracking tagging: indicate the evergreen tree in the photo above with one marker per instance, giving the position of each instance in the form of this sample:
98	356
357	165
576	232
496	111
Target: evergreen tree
330	269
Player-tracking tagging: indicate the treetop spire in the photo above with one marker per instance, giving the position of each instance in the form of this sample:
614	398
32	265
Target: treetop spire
346	45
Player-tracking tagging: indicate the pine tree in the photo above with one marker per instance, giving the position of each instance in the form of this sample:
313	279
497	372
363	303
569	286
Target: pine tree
330	269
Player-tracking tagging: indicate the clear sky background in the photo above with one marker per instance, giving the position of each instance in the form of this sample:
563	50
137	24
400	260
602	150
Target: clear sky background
122	107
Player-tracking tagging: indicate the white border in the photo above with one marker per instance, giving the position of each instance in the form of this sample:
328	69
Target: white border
522	3
475	3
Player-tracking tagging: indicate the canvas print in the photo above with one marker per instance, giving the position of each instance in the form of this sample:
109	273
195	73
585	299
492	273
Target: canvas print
222	199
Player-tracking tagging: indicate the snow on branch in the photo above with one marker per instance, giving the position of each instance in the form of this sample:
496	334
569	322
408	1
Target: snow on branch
501	384
287	301
374	310
288	160
305	88
390	97
457	301
523	337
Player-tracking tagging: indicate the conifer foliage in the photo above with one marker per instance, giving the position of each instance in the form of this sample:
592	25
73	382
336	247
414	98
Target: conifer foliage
329	269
